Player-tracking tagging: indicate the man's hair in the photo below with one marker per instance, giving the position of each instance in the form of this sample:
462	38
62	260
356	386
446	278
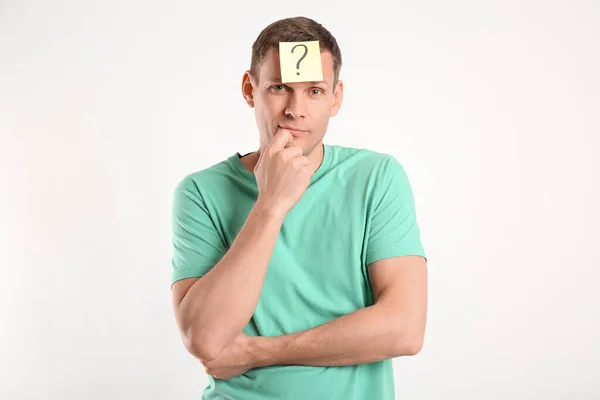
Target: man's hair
297	29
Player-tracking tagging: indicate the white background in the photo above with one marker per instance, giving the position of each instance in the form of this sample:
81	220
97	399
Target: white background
492	108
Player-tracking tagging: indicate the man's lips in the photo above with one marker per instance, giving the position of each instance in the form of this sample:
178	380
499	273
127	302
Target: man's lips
293	131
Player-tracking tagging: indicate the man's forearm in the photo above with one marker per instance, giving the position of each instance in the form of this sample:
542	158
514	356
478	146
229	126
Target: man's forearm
366	335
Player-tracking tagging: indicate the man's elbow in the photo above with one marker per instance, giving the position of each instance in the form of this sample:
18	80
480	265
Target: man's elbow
201	349
415	347
410	346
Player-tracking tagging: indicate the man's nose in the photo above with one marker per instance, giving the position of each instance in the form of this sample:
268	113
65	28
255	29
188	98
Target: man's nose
296	107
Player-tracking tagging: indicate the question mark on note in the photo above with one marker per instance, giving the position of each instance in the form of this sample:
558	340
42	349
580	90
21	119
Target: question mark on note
309	57
301	58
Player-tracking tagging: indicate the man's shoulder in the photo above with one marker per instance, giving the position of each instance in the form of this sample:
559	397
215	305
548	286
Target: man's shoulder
360	157
207	176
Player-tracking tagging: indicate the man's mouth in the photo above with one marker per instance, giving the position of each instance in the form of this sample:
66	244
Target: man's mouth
294	131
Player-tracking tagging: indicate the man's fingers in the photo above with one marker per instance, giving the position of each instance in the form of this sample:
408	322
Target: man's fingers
281	139
293	152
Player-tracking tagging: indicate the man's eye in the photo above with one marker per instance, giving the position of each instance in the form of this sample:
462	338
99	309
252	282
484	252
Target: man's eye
317	91
278	87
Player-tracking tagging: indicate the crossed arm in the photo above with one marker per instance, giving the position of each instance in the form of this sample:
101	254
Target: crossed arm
394	326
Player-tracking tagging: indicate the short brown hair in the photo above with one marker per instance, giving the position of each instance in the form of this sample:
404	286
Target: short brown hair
297	29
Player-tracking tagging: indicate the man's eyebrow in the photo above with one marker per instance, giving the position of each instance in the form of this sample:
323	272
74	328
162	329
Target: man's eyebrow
318	82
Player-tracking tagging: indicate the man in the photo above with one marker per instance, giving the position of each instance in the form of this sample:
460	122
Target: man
298	269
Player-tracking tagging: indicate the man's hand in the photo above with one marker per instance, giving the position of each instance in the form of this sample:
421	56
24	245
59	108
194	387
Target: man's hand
234	360
282	173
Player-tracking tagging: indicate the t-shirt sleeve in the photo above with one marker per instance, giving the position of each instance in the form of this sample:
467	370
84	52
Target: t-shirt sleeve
393	229
197	244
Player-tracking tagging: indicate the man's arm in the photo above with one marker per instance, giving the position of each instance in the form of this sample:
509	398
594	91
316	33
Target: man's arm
211	311
214	309
394	326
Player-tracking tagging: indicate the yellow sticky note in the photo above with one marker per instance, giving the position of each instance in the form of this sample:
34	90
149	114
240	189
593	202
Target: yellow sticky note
300	61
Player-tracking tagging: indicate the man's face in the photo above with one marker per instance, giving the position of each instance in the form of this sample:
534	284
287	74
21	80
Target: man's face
304	108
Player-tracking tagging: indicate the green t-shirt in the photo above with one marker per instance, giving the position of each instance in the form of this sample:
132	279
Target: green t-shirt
359	208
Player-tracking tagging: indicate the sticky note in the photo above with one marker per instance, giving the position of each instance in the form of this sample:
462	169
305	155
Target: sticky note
300	61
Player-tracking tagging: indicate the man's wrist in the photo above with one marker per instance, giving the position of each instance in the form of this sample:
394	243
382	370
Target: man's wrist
264	350
269	210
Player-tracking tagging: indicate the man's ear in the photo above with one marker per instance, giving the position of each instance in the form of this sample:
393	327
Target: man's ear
248	88
338	97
